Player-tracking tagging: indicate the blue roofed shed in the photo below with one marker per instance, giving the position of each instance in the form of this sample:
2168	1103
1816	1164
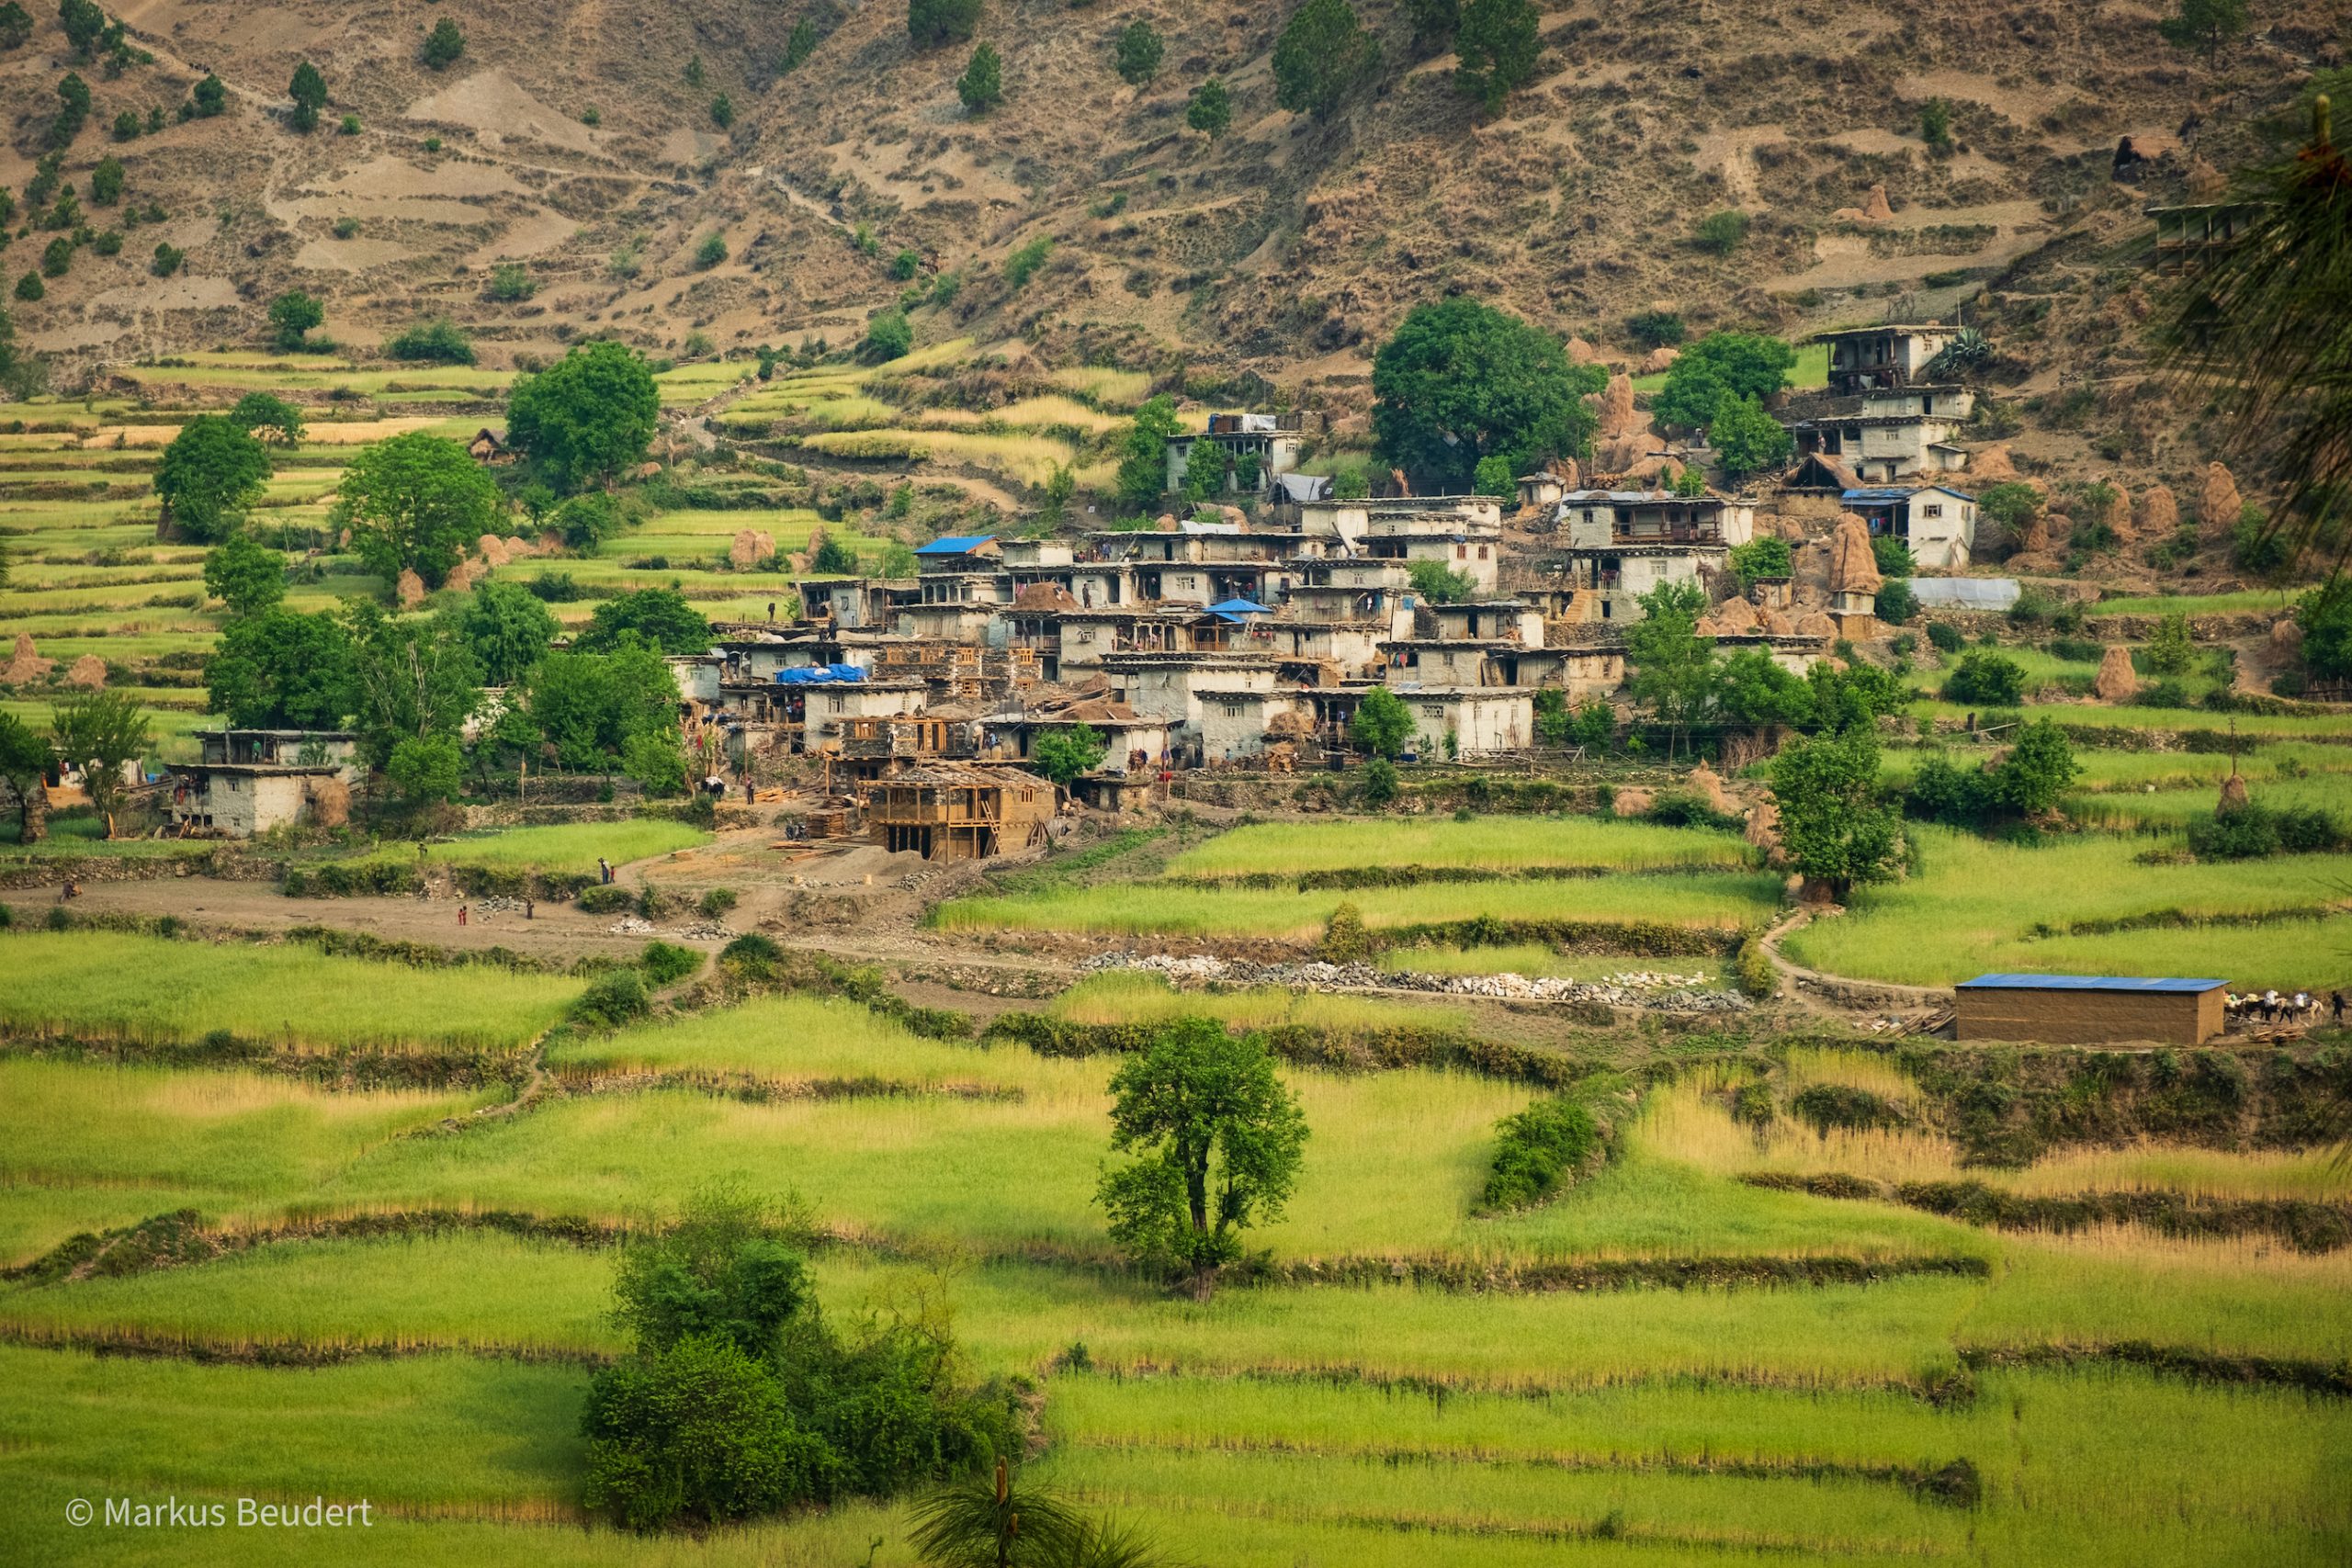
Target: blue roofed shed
2089	1010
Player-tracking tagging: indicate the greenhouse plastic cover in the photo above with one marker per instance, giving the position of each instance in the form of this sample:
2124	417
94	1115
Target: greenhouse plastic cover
1965	593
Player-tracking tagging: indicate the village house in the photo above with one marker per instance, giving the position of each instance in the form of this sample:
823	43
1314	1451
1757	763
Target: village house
1466	540
1169	685
1469	722
1132	742
1937	522
874	745
1888	434
1237	724
858	602
1352	523
1865	357
250	780
1624	544
960	811
2188	236
1351	588
1248	450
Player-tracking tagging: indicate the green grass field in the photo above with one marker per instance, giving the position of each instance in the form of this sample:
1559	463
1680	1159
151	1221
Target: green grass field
563	847
1492	844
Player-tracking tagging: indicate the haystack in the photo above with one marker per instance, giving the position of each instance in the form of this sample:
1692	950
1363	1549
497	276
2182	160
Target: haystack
1632	802
1659	360
2218	503
1708	785
330	802
749	548
1617	413
494	550
1853	568
1735	615
2233	796
2156	515
2286	643
464	575
1582	353
2116	681
1992	464
88	670
26	666
1815	623
1763	829
410	588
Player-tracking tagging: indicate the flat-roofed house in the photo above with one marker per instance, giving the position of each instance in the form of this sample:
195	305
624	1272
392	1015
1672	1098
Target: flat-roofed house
2088	1010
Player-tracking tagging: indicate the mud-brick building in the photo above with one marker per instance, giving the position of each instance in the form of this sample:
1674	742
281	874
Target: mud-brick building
2088	1010
960	811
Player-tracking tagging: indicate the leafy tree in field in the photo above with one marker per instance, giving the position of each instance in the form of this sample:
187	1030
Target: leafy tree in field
2011	506
436	342
414	502
1376	785
587	521
660	616
656	759
1143	462
1758	559
2171	650
1755	692
1459	381
1745	364
1987	679
105	181
444	44
1382	725
586	419
1897	601
22	373
1673	666
887	336
1853	698
279	670
292	315
507	629
2325	616
1210	109
245	575
511	283
1498	42
207	98
424	768
1138	52
982	86
15	26
2038	771
833	558
2205	24
1063	755
1494	476
1438	583
1323	52
308	91
82	22
588	707
1217	1141
1745	439
25	761
278	420
935	22
412	677
100	732
208	476
1834	827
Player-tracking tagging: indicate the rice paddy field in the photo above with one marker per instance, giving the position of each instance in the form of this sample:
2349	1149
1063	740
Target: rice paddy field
1913	1388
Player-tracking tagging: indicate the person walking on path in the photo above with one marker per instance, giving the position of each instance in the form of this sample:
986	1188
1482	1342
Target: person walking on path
461	914
603	870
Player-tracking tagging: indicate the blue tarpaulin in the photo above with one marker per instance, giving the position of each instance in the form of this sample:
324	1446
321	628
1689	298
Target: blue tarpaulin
819	675
954	545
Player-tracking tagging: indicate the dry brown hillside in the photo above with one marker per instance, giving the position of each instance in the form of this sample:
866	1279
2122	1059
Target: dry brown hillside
1286	248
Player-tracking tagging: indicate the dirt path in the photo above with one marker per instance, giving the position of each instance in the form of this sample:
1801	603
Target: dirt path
1827	994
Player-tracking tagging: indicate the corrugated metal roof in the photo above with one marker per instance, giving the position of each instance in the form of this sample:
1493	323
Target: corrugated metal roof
2083	983
954	545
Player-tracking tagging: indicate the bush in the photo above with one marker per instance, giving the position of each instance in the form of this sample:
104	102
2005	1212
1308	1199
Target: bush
1827	1106
931	22
982	86
1897	603
710	252
1945	636
614	1000
1538	1150
1722	232
1023	263
1753	972
1985	678
605	899
1345	938
665	963
887	336
444	44
2032	607
1376	782
510	282
1656	329
435	343
1139	52
716	902
2254	831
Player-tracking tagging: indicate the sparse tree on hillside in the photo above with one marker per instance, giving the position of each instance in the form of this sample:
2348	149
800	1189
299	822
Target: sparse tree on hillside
887	336
22	373
414	502
444	44
208	98
1935	123
1323	54
1498	42
1210	109
100	732
1722	232
722	111
1745	439
982	86
15	26
212	471
1433	20
105	181
1143	465
1139	49
308	91
587	418
1460	380
84	22
2205	24
292	315
1218	1141
934	22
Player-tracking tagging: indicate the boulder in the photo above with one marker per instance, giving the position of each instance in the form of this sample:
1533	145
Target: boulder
2218	504
2116	681
88	670
409	590
2155	515
1852	568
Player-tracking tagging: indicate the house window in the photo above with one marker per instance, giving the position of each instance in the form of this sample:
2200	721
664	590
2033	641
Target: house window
836	705
1482	552
1933	509
1461	552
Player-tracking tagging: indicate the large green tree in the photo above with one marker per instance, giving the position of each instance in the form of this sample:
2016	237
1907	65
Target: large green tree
588	707
1323	54
659	617
1062	755
208	476
245	574
1673	667
101	733
1498	42
412	679
277	419
508	630
1743	365
1142	453
1834	827
414	502
281	670
1460	380
292	315
586	419
308	91
1745	439
25	761
2205	24
1382	724
1217	1141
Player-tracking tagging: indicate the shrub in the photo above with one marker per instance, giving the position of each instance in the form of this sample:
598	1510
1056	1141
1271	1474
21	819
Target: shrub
1023	263
1210	109
1826	1106
1376	782
57	257
444	44
29	287
931	22
510	282
436	342
1345	938
722	111
1656	329
2032	607
1139	51
1897	603
1986	678
1935	123
1722	232
345	228
905	264
716	902
614	1000
348	125
887	336
1945	636
665	963
2254	831
710	252
603	899
1539	1149
982	86
1759	559
1752	970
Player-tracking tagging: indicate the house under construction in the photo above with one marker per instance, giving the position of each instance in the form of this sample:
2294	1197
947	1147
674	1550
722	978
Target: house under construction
958	811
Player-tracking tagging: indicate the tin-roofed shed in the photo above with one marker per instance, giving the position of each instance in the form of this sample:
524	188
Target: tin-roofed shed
2088	1010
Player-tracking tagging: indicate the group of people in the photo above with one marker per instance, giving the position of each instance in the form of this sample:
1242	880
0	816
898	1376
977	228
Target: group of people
2274	1007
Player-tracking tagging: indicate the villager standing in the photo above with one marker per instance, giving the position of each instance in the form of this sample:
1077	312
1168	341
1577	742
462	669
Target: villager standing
2335	1004
530	910
461	914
